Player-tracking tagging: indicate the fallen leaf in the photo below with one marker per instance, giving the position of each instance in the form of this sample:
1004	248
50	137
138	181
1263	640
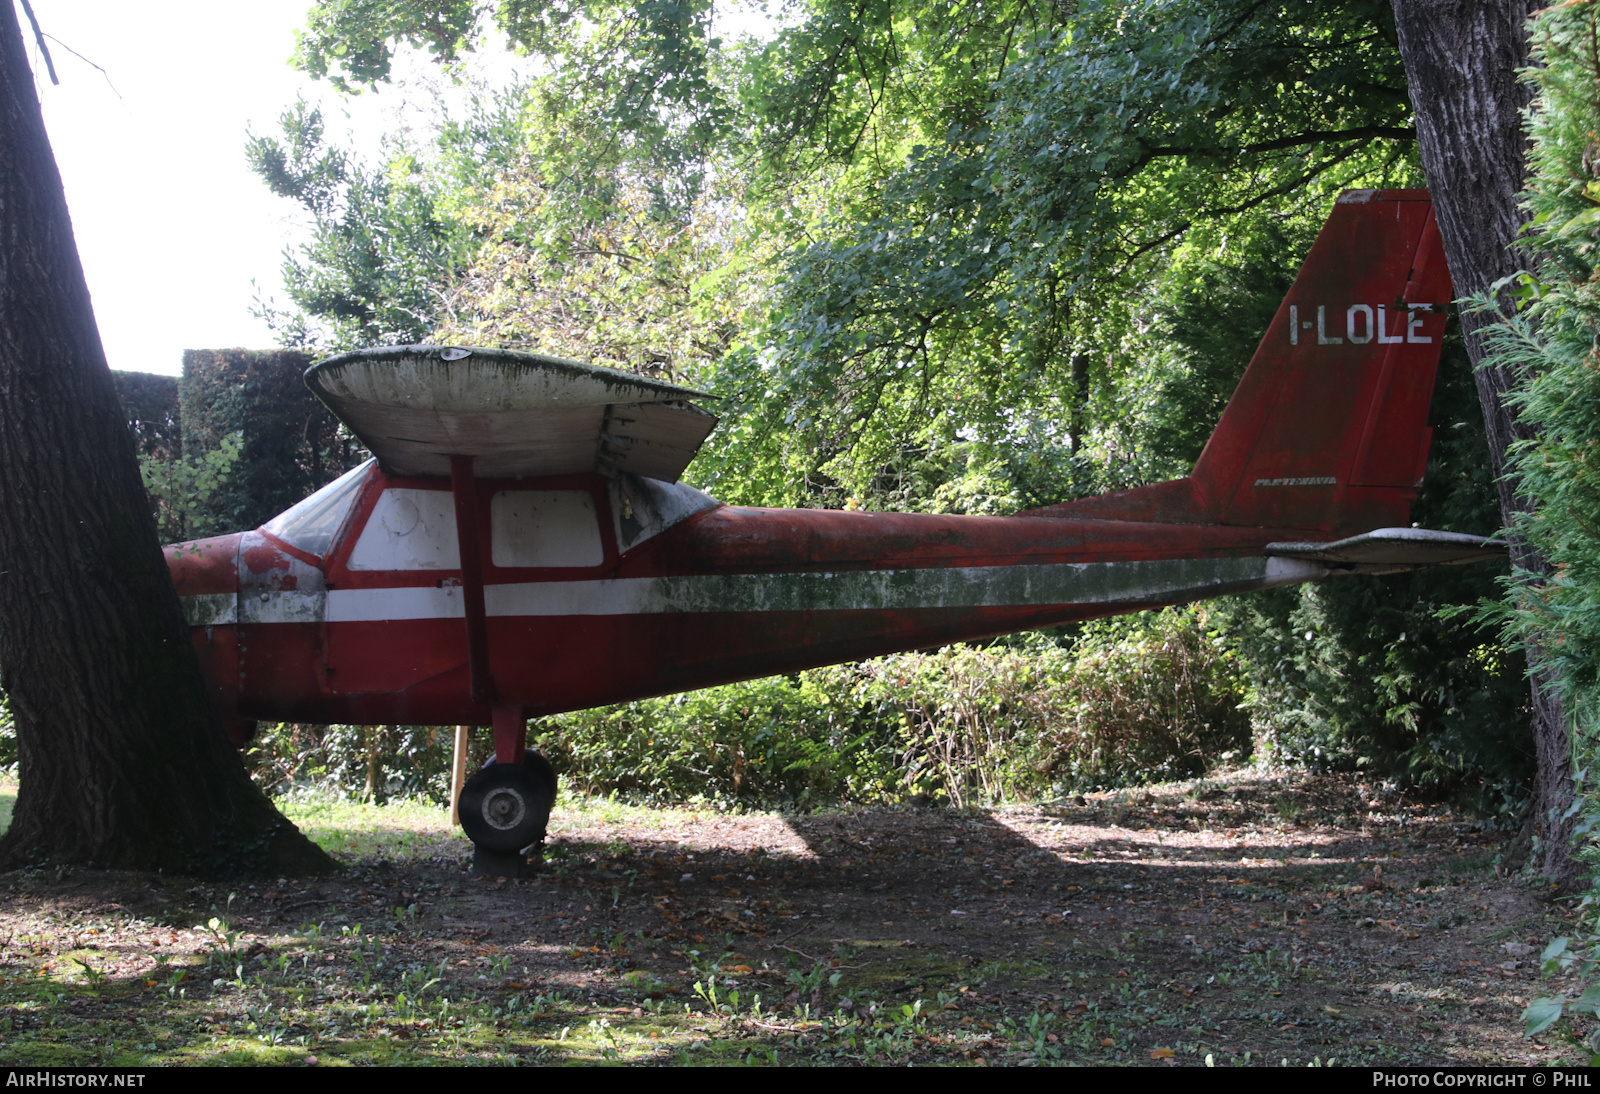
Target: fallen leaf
1161	1053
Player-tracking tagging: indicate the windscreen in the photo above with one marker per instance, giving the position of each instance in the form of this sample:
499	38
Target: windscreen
311	524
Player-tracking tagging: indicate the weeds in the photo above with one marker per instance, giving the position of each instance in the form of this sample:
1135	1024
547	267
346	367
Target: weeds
222	946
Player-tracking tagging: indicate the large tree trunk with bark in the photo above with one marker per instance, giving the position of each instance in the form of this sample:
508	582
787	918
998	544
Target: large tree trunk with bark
123	761
1461	59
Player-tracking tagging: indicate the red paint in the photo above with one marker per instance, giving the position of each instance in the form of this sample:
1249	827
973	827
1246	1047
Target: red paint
510	733
205	565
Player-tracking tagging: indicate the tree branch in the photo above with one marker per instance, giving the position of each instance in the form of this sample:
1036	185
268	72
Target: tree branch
38	36
1297	140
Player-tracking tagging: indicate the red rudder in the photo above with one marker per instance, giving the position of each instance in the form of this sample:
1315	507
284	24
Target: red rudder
1327	431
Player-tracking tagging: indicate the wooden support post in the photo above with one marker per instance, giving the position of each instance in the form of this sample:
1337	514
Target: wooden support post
458	773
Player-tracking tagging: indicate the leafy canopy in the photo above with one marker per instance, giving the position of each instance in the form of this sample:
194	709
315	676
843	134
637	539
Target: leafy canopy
939	235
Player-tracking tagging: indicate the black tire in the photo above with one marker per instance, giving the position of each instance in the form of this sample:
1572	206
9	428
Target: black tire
535	762
505	807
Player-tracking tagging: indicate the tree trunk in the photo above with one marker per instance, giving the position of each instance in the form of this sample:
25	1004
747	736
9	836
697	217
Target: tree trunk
123	761
1461	59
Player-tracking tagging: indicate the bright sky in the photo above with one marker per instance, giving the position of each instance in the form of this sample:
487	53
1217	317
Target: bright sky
175	233
171	225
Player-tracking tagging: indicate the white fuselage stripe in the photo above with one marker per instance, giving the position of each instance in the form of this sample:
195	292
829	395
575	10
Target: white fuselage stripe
1148	582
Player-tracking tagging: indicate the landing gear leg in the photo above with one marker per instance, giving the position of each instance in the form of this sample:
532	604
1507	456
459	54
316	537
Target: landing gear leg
505	806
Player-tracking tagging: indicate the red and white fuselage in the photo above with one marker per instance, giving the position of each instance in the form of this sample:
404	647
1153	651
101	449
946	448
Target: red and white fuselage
373	631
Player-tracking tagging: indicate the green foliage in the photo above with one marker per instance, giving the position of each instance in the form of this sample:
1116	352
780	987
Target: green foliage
150	401
1363	674
1005	208
1216	309
291	444
641	67
373	763
180	488
1550	343
585	253
183	489
379	250
231	444
1132	700
779	741
8	735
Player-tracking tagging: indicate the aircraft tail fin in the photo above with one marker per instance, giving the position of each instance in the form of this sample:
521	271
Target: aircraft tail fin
1327	430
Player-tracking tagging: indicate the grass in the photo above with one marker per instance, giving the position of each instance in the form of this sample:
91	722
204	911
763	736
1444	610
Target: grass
401	829
1161	928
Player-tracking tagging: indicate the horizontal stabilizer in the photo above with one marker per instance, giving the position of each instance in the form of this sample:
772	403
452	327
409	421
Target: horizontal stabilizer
1388	550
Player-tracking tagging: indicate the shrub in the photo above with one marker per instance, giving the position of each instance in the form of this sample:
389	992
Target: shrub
376	763
291	443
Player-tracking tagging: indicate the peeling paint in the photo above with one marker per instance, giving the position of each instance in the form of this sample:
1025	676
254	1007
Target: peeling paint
1162	582
210	609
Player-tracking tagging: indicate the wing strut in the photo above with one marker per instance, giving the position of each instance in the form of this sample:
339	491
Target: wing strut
510	722
466	498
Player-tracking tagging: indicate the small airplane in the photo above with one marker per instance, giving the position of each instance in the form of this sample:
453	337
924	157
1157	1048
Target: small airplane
520	544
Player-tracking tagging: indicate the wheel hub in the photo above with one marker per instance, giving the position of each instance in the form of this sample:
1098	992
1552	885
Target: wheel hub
504	808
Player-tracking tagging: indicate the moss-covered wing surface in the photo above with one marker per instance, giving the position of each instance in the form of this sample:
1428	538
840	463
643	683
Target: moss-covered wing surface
517	414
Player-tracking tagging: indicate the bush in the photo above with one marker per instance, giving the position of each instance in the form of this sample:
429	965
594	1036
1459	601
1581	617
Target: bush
1362	673
375	763
1135	699
782	741
151	404
291	443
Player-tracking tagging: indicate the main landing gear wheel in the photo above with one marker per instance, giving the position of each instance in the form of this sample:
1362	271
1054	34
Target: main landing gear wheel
505	807
535	762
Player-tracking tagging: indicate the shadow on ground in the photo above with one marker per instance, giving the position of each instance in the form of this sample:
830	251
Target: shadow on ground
1246	919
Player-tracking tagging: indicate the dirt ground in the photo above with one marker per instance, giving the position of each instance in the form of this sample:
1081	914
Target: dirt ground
1240	920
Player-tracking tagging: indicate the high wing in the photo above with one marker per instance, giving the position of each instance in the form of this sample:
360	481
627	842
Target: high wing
517	414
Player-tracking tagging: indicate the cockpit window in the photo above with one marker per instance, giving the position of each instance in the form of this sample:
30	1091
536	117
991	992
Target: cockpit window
643	508
311	524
